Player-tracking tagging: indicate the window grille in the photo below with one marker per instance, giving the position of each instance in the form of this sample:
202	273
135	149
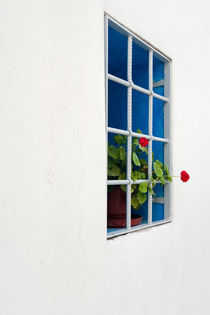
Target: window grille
148	85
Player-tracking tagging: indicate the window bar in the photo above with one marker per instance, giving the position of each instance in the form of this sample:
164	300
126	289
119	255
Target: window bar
129	127
140	135
140	89
118	80
160	97
117	182
167	188
160	139
106	93
127	83
150	133
118	131
106	78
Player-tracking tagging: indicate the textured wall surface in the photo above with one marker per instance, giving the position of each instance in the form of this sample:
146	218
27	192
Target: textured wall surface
55	259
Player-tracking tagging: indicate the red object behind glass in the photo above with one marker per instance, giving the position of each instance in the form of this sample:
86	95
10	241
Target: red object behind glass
116	215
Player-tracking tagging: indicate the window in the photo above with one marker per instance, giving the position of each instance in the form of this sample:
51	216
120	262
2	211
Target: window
137	107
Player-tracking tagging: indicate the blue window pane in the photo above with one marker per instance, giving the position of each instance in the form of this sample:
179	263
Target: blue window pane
117	59
158	118
159	90
158	150
157	212
158	207
159	191
158	69
140	66
140	111
117	105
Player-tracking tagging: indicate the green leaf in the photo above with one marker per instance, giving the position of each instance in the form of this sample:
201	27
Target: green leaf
157	169
139	131
135	141
122	153
162	180
133	176
143	149
112	162
120	139
123	187
160	164
152	180
133	187
143	187
136	159
166	169
122	176
135	202
113	152
133	148
169	178
143	162
139	175
141	197
113	171
151	191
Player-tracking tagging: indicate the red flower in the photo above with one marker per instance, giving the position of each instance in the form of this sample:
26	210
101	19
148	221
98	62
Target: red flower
184	176
143	142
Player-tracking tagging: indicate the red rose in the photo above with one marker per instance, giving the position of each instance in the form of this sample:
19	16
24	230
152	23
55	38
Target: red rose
143	142
184	176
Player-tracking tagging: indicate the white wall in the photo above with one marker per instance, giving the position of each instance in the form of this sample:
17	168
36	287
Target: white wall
55	259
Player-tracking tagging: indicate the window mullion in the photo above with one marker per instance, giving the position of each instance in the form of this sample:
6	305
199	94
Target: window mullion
150	134
129	127
167	188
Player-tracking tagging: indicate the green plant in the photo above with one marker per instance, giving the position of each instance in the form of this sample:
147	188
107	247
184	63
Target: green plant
117	160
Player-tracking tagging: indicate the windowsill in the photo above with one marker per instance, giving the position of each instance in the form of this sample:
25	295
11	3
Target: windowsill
112	233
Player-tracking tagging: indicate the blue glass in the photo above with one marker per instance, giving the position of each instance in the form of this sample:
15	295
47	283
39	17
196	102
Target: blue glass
158	150
140	66
117	50
158	208
158	69
157	212
158	118
159	190
140	111
117	105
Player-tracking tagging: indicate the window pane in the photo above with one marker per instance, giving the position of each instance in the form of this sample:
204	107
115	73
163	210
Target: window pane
140	111
158	203
158	75
117	59
158	118
117	157
139	206
116	207
140	66
117	105
158	151
139	161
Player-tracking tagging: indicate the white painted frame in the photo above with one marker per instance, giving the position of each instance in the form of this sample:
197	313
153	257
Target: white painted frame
129	133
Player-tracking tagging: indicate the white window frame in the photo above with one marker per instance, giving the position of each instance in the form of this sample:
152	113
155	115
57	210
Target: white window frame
129	133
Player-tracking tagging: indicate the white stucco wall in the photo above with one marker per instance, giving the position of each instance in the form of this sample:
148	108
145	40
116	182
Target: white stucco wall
55	259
